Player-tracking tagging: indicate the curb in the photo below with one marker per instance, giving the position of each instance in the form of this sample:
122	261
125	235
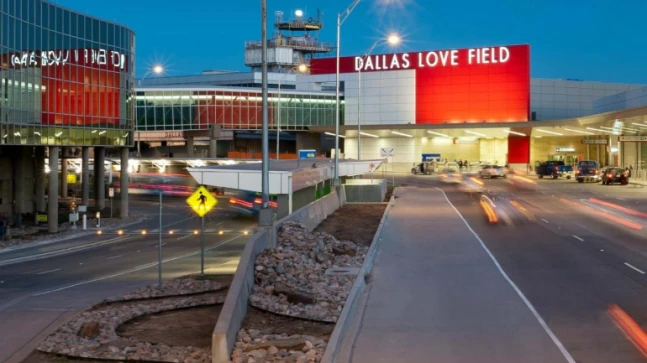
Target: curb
63	239
346	317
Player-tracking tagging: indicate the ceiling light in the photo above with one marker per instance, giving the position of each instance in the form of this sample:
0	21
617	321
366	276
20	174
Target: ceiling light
400	133
641	125
94	131
514	132
549	132
369	135
102	132
437	133
36	133
618	129
475	133
600	130
579	131
331	134
58	134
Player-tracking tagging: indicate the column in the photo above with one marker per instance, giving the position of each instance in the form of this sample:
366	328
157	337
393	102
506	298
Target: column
39	176
52	192
190	151
19	184
123	183
63	175
99	178
85	176
213	148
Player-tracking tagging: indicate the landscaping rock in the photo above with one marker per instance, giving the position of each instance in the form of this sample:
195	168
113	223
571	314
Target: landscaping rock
89	330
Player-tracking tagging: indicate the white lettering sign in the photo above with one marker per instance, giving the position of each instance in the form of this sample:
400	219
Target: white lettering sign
441	58
100	57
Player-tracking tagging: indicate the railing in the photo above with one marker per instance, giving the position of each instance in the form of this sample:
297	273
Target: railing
301	43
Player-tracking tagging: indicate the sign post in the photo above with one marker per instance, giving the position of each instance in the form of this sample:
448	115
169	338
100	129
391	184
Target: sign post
111	193
306	154
159	247
202	202
386	152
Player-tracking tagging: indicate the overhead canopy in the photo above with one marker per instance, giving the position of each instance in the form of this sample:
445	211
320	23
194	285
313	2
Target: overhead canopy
285	177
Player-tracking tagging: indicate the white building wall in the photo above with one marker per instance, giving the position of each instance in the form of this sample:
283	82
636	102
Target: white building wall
629	99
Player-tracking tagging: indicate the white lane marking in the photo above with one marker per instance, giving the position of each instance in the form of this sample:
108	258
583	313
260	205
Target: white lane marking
157	245
110	258
541	321
634	268
576	237
187	236
47	272
135	269
620	198
545	220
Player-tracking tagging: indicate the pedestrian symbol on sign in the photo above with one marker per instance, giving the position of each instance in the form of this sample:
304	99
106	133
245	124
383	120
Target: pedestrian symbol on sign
372	166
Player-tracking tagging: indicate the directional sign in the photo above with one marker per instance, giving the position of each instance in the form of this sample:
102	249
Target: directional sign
387	152
201	201
307	154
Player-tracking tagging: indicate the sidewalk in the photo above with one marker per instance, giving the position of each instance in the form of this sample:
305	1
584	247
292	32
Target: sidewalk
437	296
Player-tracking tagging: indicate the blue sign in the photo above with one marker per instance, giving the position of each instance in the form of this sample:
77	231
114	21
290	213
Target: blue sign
307	154
430	157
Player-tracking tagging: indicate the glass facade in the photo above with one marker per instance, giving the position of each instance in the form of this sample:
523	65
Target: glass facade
65	78
236	109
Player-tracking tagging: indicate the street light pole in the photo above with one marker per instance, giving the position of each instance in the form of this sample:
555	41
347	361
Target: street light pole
265	214
278	128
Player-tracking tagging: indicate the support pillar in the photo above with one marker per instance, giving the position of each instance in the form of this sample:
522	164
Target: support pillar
85	175
99	178
190	150
213	148
123	183
39	176
19	185
63	175
52	192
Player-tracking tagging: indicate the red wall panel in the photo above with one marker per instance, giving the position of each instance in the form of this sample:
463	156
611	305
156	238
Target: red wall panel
518	149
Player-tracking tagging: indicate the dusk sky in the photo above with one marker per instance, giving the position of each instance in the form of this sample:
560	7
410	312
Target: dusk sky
593	40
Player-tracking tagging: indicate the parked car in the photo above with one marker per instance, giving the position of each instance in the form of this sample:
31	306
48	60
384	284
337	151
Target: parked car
553	168
615	175
493	171
588	170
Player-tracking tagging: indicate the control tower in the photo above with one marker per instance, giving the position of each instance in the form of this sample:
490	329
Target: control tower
294	42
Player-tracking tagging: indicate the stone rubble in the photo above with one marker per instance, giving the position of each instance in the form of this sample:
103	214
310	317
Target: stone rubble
253	347
291	279
175	287
28	235
80	337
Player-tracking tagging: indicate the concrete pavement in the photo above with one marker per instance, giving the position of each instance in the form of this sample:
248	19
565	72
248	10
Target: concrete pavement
436	294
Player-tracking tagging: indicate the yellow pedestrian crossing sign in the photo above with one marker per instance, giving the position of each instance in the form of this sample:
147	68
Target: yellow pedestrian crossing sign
201	201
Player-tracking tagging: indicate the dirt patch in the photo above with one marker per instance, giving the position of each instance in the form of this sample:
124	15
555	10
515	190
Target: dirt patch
39	357
354	222
268	323
182	328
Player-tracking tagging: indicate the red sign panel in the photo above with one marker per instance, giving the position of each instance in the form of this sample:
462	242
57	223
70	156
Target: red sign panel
490	84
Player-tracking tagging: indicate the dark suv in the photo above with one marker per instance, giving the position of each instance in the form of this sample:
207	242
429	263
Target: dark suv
588	170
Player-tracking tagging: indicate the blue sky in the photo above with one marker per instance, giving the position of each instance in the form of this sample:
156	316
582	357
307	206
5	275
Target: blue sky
595	40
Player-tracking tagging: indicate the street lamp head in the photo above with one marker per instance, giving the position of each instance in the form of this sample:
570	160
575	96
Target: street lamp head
158	69
302	68
394	39
298	13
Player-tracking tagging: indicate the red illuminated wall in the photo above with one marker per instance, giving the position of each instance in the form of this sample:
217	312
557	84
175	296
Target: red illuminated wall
518	149
235	113
464	92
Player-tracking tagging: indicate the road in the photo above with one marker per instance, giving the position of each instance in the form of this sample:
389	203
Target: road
72	275
573	249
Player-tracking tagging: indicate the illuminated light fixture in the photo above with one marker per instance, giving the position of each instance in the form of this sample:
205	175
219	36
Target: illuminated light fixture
158	69
298	13
99	232
550	132
394	39
127	133
538	136
170	232
618	129
36	133
331	134
102	132
468	138
437	133
579	131
614	149
514	132
94	131
245	232
144	231
369	135
401	133
120	232
16	133
58	134
641	125
601	130
475	133
221	232
5	136
195	232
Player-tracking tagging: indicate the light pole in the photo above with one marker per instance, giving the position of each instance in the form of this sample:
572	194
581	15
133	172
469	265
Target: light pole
393	40
265	214
301	68
340	21
157	69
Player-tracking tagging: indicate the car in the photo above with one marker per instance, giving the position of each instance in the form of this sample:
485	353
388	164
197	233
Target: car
493	171
615	175
588	170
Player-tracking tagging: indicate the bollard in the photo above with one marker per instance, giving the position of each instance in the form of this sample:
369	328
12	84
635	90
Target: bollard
98	219
85	221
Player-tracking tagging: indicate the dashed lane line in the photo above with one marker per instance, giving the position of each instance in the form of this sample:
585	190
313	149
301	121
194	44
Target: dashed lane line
634	268
48	272
576	237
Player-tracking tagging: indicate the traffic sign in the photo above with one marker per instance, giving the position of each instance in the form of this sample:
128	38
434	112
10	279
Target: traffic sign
387	151
201	201
307	154
372	166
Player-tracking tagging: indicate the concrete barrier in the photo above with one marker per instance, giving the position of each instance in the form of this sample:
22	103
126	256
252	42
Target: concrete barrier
365	190
350	306
235	306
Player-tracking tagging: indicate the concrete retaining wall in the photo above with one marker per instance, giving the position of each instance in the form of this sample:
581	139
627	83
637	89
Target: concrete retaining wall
235	306
365	190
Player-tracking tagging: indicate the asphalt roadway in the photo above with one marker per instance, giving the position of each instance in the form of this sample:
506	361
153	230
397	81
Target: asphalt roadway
573	249
36	294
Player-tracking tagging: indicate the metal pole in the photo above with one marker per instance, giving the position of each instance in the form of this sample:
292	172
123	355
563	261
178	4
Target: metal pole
336	175
266	159
202	249
110	207
278	129
359	111
159	248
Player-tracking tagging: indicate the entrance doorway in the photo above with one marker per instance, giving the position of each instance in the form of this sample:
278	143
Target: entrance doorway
568	159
